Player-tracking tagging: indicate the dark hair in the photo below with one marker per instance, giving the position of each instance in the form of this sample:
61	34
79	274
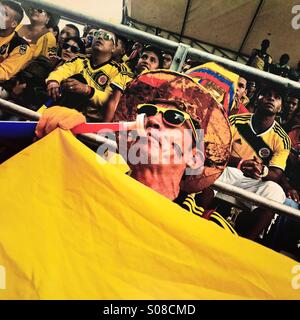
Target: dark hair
72	26
15	7
123	39
273	87
266	42
285	57
87	29
79	42
157	51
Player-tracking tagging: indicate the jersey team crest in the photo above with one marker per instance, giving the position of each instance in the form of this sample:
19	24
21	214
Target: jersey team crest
102	80
264	152
3	49
23	49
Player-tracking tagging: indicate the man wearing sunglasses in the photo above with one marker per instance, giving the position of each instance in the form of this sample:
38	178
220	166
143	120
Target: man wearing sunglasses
14	51
165	156
68	31
87	79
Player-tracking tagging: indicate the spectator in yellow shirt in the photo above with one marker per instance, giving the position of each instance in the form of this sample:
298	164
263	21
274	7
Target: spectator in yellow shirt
37	34
14	51
84	83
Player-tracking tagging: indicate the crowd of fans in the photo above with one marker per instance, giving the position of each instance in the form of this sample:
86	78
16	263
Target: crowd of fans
42	66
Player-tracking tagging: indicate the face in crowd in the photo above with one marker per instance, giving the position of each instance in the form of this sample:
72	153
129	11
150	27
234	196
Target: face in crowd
167	61
291	105
70	49
104	41
90	38
8	18
169	134
251	87
40	16
66	32
148	61
241	87
270	102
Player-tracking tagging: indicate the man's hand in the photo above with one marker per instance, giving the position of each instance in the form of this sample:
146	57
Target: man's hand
58	117
53	89
18	89
252	168
75	86
293	194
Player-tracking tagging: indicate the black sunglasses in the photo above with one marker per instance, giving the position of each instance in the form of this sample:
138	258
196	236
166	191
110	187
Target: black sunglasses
73	49
38	10
171	116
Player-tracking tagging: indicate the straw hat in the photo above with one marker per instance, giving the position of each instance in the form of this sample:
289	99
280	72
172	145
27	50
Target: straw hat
202	107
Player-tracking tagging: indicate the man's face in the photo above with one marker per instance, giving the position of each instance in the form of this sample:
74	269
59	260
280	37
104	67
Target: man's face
148	61
167	61
104	41
270	103
251	87
65	33
291	105
241	87
69	50
163	143
7	18
38	15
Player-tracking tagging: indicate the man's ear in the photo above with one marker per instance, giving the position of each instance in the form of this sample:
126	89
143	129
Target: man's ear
114	47
279	110
196	161
14	24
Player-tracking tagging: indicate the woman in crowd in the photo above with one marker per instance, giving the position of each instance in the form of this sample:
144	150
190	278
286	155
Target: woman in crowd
71	48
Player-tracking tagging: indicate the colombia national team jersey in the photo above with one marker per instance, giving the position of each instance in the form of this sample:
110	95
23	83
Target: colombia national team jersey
14	54
99	78
272	146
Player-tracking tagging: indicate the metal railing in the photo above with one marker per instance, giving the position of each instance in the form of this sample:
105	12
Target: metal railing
35	116
219	186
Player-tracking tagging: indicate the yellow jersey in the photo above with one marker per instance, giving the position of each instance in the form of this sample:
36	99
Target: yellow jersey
99	78
190	203
125	76
45	45
14	54
272	146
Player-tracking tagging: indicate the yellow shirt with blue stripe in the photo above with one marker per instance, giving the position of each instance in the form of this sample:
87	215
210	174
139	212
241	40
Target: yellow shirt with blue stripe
99	78
14	54
275	138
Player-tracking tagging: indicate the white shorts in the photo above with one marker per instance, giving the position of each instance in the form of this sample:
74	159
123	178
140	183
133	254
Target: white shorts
267	189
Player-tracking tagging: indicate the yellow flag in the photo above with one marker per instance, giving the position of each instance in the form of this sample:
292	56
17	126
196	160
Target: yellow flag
72	228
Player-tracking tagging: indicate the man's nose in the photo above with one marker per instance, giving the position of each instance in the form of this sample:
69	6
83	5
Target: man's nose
147	60
272	97
154	122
